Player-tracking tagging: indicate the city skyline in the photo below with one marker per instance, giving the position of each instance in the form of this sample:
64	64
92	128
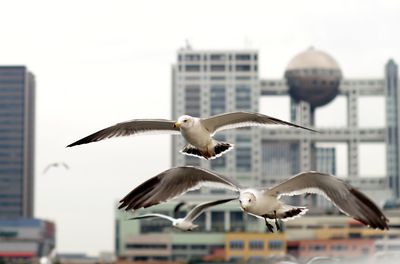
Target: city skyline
102	66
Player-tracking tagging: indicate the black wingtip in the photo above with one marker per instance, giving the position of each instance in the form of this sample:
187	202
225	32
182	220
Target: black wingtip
377	220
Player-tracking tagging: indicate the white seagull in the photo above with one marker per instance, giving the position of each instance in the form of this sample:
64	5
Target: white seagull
186	223
260	202
56	164
198	132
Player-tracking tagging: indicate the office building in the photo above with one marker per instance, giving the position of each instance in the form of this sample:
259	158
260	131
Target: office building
17	120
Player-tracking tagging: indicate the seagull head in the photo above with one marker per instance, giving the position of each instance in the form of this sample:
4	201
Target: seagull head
247	200
184	121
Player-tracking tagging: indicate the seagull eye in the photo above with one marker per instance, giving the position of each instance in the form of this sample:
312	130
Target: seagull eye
249	200
184	121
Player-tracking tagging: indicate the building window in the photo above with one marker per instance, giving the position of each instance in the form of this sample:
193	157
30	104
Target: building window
146	246
243	98
192	68
218	68
192	57
217	57
218	221
243	57
256	244
275	244
317	247
338	248
192	100
236	244
243	153
218	104
243	68
237	222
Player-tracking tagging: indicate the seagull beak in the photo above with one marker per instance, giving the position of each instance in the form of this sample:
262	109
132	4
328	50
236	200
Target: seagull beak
177	125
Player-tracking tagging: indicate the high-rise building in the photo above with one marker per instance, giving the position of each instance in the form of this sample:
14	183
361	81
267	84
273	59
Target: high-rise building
17	119
207	83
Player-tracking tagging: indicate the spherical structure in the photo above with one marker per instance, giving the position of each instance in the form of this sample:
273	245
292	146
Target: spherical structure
313	76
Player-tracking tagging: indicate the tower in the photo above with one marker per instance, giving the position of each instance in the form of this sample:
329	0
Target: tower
17	94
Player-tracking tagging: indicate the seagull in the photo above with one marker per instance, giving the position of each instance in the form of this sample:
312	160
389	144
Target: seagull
198	132
55	164
186	223
260	202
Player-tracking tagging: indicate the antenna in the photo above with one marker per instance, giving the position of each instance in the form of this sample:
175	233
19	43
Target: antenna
188	46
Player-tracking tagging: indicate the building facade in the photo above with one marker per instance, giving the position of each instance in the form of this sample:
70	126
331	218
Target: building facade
17	119
26	240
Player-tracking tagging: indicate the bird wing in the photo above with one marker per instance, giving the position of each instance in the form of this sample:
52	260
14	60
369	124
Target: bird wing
242	119
138	126
195	212
349	200
48	167
65	165
151	216
172	183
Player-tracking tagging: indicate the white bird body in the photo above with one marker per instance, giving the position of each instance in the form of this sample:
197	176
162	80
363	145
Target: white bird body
256	202
196	134
184	224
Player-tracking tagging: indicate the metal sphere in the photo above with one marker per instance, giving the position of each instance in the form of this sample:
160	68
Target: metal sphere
313	76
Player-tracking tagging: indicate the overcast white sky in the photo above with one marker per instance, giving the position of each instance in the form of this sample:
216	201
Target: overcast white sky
101	62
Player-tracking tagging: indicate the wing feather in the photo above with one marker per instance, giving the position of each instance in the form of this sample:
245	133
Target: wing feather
242	119
349	200
151	216
138	126
173	183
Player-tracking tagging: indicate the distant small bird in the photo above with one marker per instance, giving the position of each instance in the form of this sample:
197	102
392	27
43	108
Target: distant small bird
198	132
260	202
55	165
186	223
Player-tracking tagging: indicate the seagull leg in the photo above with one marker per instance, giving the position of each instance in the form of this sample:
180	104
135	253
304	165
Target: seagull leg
269	226
278	226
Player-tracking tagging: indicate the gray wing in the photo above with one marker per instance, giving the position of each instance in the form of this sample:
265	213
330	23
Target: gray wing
65	165
172	183
195	212
138	126
151	216
49	166
349	200
242	119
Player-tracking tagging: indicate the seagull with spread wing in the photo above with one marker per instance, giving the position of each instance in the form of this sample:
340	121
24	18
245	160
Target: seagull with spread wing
198	132
186	223
56	165
260	202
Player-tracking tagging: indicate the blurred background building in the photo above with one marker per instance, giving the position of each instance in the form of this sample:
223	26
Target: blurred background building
211	82
17	119
23	239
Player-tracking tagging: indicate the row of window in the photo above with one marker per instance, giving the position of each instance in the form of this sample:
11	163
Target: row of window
217	57
217	99
256	244
217	68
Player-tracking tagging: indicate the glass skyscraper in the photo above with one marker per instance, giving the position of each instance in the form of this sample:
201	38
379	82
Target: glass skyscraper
17	119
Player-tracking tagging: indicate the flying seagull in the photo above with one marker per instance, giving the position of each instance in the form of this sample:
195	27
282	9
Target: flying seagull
198	132
260	202
186	223
55	164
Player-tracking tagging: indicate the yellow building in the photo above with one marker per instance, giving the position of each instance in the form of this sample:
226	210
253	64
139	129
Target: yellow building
252	246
